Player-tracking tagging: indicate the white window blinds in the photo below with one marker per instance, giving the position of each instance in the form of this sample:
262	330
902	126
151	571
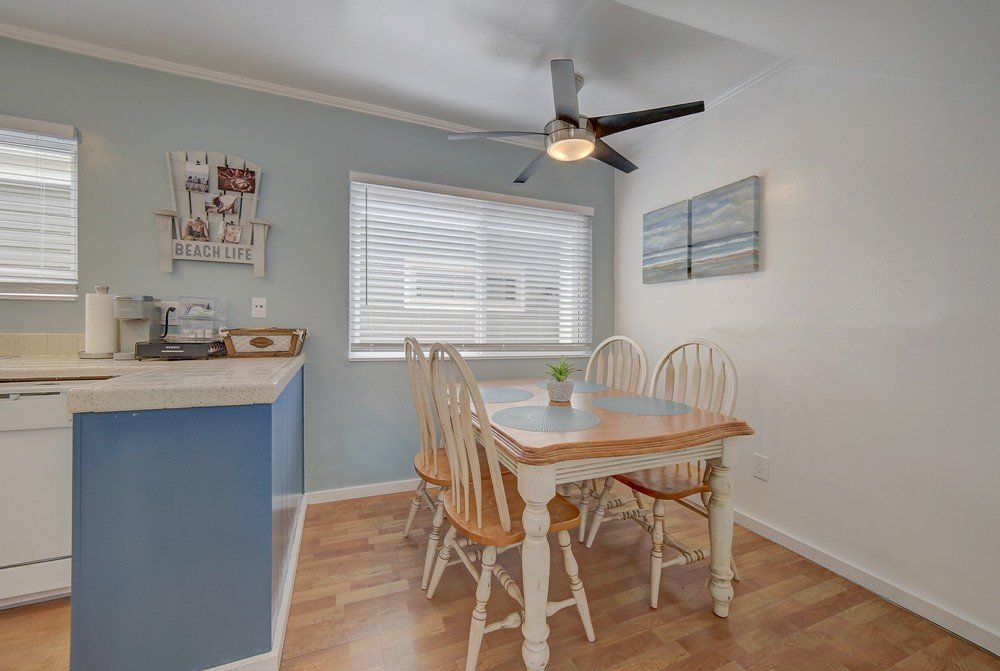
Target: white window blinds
38	221
489	276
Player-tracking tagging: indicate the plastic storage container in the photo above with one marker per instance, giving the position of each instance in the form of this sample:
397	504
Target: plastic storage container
199	318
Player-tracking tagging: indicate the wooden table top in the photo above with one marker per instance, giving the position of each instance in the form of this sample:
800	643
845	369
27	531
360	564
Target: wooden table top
617	435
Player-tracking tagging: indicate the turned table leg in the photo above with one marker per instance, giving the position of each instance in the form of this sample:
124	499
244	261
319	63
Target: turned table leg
720	529
537	486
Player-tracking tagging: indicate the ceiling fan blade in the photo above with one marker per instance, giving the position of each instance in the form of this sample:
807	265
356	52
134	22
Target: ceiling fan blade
491	134
531	168
615	123
564	91
604	152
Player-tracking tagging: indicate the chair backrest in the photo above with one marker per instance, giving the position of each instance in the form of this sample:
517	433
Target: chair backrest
420	387
699	373
456	395
620	363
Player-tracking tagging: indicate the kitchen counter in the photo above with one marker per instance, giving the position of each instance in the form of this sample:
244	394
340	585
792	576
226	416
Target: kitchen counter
155	385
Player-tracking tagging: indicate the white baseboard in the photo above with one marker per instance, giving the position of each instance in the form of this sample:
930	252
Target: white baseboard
271	660
362	491
957	624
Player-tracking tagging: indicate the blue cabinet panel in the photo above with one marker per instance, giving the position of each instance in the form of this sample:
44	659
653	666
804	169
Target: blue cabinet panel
287	484
182	522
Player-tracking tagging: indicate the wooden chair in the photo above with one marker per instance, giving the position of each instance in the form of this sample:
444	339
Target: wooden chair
702	375
431	461
484	511
620	363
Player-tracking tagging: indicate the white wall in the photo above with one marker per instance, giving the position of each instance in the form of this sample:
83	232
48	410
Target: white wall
867	343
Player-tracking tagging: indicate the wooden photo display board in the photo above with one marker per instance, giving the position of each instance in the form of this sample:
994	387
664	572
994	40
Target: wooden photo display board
191	204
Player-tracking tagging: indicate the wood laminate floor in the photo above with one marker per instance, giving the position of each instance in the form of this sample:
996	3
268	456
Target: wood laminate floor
357	606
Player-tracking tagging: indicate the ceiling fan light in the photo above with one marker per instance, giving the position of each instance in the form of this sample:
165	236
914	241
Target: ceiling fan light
569	143
570	149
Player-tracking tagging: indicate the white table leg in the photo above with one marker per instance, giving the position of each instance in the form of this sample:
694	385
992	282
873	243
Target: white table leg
537	486
720	530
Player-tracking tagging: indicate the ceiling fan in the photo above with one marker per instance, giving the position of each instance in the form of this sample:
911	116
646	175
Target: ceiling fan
572	136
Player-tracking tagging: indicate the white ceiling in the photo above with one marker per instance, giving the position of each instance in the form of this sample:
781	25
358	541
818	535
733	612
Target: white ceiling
484	63
948	41
481	63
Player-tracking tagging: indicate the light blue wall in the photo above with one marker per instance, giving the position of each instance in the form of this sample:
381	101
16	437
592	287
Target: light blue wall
358	415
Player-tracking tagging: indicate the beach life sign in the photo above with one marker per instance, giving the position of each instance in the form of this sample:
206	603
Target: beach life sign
213	251
716	233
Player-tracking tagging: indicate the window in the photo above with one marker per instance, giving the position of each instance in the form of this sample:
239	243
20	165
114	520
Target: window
493	275
38	223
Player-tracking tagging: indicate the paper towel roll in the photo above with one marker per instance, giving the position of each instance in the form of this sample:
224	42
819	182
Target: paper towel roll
100	332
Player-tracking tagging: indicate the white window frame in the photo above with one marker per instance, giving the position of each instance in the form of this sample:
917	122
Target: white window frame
41	289
429	187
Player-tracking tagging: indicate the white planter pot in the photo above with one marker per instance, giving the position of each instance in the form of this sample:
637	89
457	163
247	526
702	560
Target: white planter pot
560	392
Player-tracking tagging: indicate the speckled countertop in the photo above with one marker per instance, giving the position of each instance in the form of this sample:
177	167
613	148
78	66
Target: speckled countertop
152	385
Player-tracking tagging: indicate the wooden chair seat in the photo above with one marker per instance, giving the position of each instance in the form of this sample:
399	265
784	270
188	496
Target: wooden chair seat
667	482
443	476
564	515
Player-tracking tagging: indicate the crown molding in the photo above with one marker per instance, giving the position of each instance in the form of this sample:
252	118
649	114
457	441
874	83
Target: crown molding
171	67
754	79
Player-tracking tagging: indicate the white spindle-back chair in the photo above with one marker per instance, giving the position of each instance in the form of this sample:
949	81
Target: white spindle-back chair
430	462
620	363
487	511
701	374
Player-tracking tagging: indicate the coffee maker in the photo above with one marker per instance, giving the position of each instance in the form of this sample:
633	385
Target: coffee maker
138	322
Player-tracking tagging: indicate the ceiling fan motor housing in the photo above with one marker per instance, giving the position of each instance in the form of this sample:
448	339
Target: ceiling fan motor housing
558	132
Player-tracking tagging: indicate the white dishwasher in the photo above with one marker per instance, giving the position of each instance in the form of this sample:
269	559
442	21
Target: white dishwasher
36	491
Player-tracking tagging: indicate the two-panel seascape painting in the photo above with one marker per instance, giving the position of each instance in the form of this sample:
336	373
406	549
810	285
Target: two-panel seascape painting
715	233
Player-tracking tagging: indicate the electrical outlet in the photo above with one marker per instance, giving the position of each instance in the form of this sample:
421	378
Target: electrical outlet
258	307
761	467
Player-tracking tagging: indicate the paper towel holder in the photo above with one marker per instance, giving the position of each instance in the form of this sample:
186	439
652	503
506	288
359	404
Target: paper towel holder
98	289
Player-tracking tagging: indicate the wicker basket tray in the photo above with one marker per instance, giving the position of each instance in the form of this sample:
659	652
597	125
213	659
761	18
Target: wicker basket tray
264	342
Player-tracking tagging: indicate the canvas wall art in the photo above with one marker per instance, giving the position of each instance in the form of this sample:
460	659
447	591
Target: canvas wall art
724	230
665	234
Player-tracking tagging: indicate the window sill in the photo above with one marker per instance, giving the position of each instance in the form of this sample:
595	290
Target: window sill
398	356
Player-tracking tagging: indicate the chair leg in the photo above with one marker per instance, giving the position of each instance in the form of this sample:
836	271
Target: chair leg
656	555
641	505
478	625
576	584
434	538
584	506
418	497
732	565
442	561
601	507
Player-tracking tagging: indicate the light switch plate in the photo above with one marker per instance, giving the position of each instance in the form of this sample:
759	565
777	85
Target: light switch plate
258	307
761	467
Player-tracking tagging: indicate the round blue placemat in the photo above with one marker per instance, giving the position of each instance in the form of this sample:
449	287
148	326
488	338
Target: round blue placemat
640	405
582	386
504	394
548	418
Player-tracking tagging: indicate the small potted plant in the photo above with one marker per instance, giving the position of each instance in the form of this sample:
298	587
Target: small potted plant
560	386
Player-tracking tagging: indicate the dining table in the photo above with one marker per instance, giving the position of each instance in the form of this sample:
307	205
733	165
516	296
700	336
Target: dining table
619	443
